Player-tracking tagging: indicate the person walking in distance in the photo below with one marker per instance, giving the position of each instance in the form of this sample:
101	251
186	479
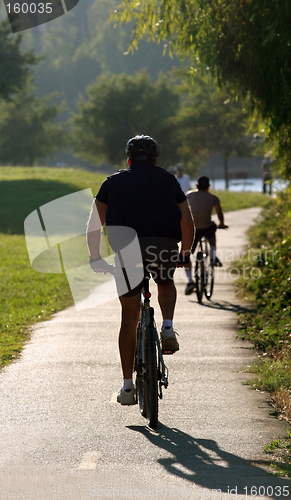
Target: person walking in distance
267	174
201	203
182	178
149	200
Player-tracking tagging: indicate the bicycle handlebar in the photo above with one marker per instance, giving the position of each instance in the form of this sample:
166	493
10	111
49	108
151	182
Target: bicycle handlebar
101	266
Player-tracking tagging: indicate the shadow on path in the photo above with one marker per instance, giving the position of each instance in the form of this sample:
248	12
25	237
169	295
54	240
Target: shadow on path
202	462
224	305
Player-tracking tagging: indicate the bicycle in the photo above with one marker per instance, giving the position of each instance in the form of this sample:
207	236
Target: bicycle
151	371
204	270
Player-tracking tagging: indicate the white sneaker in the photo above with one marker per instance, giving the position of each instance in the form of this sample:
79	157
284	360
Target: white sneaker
126	397
168	339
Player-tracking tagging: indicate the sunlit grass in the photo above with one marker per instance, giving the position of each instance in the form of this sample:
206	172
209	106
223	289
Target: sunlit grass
231	200
27	296
280	451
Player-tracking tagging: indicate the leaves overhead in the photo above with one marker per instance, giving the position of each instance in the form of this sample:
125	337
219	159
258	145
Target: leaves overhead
245	44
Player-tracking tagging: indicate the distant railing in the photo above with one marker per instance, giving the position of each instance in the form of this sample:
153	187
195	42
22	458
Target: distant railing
241	176
237	175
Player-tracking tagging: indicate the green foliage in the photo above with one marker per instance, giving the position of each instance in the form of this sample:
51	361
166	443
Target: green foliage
246	45
27	133
279	449
26	130
80	46
14	64
210	120
67	65
191	121
27	296
109	45
272	446
269	328
273	374
120	107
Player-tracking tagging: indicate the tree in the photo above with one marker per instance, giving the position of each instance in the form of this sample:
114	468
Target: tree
14	64
27	133
210	121
246	44
82	46
121	106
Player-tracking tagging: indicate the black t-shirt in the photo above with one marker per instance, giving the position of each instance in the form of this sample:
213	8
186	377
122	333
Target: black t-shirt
144	197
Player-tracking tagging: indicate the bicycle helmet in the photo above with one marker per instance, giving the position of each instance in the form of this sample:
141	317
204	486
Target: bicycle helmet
142	148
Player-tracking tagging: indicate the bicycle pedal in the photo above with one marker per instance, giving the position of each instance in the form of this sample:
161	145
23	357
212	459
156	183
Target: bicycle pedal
168	351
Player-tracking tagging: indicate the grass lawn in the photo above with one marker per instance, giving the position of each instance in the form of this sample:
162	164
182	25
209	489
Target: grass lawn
26	295
231	200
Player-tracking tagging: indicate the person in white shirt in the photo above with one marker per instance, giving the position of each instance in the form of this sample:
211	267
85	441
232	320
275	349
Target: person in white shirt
183	179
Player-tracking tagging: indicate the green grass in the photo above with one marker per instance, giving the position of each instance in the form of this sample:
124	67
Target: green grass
27	296
239	200
269	327
272	374
280	452
23	189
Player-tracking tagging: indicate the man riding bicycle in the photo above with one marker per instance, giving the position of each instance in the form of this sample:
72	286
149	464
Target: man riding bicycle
201	203
149	200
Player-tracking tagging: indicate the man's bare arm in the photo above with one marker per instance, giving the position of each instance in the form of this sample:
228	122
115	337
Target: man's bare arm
94	226
219	212
188	229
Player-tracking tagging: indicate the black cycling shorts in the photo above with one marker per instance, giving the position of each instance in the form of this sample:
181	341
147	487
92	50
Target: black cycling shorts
207	233
164	254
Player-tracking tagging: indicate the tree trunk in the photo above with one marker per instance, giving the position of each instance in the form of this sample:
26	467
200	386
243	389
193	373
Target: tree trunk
225	163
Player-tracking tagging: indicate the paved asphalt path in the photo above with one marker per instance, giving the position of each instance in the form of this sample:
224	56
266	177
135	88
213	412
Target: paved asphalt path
63	436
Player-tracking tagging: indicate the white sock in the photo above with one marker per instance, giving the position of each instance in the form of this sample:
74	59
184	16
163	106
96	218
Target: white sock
212	252
167	323
127	384
189	275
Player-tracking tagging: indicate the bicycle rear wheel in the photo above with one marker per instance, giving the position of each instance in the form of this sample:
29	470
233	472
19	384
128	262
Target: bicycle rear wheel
140	370
150	393
209	282
200	276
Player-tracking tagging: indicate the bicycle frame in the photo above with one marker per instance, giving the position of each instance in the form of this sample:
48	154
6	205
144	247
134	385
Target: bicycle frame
147	318
203	246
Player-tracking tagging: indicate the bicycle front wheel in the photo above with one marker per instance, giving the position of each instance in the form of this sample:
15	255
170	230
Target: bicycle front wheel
209	282
200	276
151	377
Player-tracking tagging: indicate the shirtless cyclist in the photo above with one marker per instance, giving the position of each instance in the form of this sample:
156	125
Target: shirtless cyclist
201	203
